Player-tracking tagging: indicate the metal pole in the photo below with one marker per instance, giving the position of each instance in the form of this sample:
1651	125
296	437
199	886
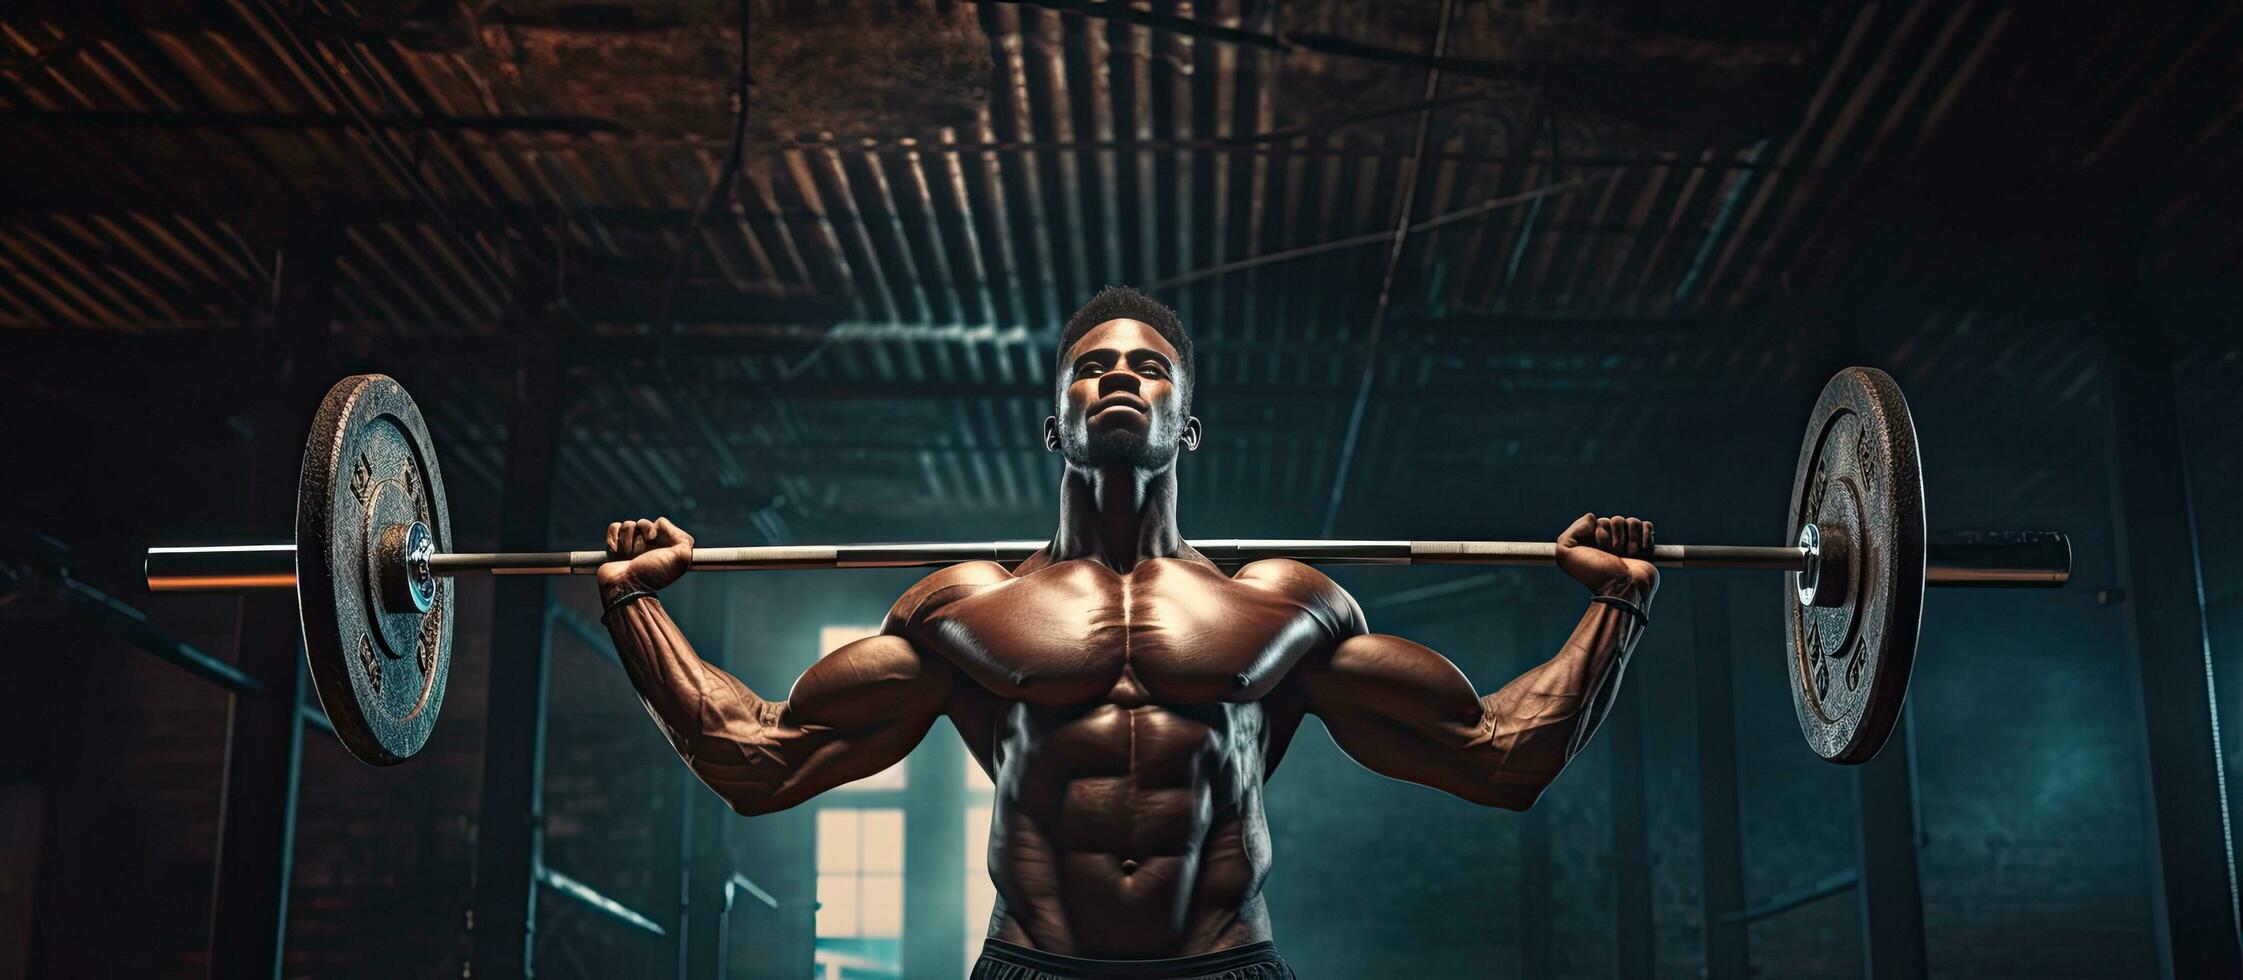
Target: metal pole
1407	196
669	844
1891	899
1537	900
509	846
1721	837
1637	953
1342	552
2007	559
735	887
708	862
264	734
2193	893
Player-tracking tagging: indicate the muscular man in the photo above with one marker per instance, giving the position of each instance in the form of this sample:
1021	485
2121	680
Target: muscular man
1127	697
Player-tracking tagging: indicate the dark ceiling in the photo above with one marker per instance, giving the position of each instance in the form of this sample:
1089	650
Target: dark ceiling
1560	233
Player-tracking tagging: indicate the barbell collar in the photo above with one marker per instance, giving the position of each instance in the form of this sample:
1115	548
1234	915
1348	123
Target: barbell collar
1998	559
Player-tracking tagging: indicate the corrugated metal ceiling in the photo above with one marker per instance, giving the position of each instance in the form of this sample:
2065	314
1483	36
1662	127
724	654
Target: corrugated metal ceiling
1613	197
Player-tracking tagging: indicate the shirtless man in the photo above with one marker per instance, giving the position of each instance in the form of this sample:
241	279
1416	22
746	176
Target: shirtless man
1126	696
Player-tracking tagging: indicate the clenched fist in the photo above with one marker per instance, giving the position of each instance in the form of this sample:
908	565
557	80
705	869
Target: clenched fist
645	554
1610	554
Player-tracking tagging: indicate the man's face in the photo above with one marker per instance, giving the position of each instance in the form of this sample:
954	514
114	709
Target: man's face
1122	403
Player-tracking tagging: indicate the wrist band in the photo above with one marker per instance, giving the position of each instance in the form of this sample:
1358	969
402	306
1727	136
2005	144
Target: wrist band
1624	605
608	608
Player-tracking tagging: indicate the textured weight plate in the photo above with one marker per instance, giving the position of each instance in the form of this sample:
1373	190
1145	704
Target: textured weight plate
379	665
1858	480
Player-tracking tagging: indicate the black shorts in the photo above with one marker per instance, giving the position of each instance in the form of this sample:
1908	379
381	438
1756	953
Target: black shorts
1001	960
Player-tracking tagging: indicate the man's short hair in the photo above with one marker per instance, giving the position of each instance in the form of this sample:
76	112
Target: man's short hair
1125	303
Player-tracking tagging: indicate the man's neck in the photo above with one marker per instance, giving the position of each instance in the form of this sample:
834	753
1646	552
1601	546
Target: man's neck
1119	516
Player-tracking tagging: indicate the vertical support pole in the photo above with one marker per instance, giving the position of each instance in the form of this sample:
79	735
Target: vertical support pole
1721	853
708	860
264	737
1537	917
669	842
934	865
725	926
1636	952
1890	899
510	837
2193	880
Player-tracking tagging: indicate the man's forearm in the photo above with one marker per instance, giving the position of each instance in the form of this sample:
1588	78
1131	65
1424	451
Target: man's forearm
1549	713
855	712
699	707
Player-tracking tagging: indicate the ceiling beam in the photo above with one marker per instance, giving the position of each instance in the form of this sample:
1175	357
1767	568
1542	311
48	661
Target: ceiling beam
198	120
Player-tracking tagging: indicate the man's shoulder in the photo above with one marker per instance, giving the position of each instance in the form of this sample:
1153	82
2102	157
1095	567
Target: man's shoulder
1289	576
943	586
1308	585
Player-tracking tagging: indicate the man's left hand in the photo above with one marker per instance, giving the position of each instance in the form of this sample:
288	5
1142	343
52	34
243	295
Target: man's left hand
1610	555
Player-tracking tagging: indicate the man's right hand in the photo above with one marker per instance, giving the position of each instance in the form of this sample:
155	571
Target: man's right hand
645	554
1610	554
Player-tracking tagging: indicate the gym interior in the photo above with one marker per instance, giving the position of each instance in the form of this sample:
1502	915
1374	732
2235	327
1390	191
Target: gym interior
791	271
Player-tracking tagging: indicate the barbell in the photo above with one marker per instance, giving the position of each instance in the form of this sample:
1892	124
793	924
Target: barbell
372	560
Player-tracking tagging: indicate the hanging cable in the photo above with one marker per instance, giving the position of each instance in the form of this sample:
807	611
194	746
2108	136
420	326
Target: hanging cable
1407	195
727	178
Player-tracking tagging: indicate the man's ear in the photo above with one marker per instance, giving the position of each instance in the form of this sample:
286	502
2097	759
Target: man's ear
1191	433
1051	433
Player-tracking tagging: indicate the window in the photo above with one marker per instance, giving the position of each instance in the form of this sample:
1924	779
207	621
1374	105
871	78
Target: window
860	848
860	863
860	891
981	893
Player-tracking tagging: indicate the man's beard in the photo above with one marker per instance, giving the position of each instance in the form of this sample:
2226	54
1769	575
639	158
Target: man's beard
1120	447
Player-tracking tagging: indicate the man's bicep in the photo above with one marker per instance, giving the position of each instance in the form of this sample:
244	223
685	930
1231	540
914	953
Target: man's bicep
1393	679
855	712
887	676
875	681
1406	712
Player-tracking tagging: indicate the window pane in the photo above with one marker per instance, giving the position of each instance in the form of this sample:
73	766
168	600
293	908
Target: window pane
860	876
860	912
977	840
980	892
976	779
839	839
883	841
883	906
837	906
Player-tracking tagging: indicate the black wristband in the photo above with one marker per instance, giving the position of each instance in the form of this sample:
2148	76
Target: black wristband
1642	618
608	608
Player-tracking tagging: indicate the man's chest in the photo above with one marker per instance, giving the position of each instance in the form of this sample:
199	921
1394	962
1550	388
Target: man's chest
1168	631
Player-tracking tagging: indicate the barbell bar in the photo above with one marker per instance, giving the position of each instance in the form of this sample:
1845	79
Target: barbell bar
2017	559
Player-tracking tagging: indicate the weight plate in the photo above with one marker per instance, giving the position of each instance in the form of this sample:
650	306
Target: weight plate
378	662
1860	482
